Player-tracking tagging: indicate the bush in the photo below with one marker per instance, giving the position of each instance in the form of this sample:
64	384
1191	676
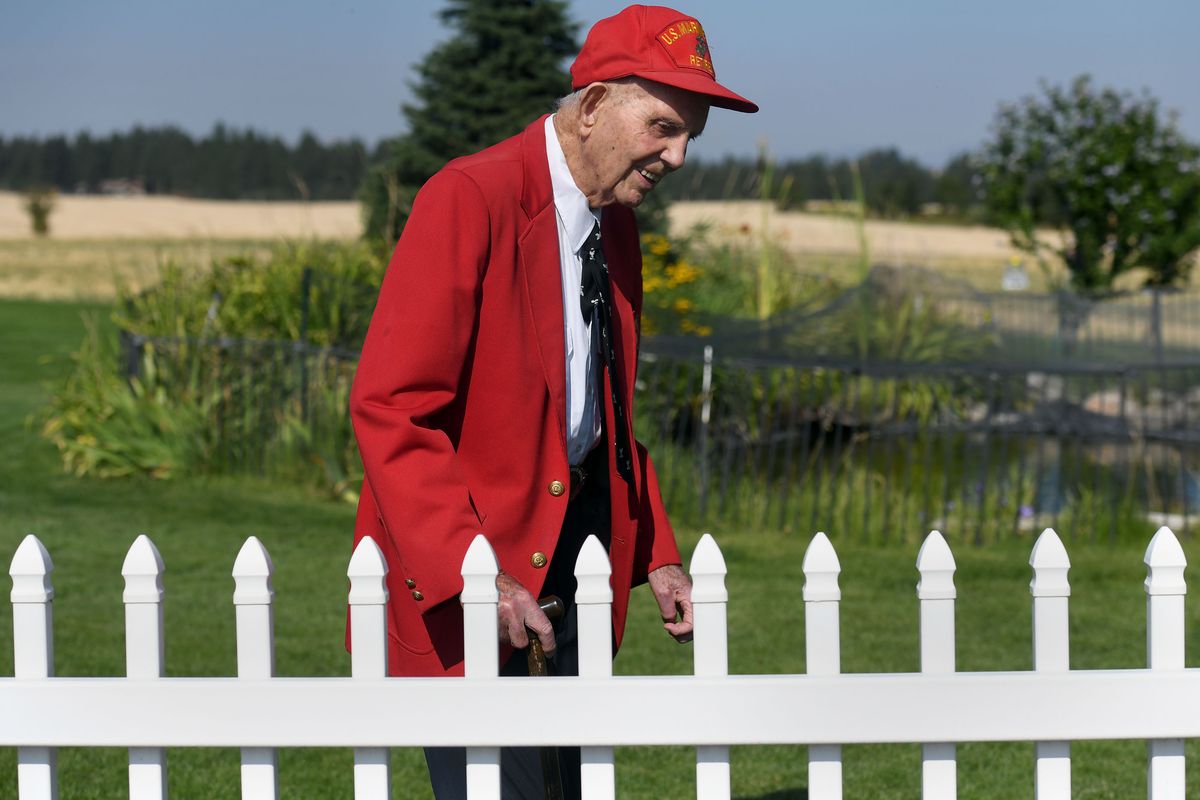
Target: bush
251	298
219	380
108	427
692	284
39	202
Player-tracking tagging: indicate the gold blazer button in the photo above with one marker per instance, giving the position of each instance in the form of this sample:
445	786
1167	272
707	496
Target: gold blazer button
538	559
410	583
418	596
557	488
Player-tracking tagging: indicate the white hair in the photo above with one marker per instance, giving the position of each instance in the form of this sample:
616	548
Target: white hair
569	100
617	85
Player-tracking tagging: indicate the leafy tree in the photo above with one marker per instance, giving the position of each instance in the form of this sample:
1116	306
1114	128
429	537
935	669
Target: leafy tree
1109	170
502	68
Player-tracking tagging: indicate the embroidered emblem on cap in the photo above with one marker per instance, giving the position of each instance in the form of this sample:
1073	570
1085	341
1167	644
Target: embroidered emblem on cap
687	45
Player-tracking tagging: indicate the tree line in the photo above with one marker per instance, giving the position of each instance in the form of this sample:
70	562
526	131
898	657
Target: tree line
226	163
891	184
237	164
1108	168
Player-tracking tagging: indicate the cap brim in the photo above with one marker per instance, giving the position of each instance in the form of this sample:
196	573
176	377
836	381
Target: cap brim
717	94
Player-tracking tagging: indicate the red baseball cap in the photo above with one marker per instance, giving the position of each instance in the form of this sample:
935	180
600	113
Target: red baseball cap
656	43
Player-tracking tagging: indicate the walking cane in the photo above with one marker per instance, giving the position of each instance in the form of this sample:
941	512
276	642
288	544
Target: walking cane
553	608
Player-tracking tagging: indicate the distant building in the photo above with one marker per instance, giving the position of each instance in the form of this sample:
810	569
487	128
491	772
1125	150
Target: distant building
122	187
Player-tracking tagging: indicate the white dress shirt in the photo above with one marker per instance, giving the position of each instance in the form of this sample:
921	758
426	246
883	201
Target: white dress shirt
575	221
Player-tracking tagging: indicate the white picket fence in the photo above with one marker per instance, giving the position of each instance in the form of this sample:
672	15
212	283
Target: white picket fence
937	707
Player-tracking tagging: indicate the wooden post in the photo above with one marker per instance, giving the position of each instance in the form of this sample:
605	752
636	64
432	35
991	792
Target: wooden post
252	597
593	605
368	655
823	654
936	592
711	656
33	656
1165	591
144	655
481	650
1051	653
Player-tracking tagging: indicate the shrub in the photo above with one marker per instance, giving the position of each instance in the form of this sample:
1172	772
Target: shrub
39	202
108	427
252	298
218	379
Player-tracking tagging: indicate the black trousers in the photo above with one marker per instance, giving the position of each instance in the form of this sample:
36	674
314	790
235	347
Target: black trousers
520	767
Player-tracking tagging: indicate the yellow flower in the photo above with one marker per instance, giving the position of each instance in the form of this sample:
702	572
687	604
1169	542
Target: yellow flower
658	245
681	272
684	305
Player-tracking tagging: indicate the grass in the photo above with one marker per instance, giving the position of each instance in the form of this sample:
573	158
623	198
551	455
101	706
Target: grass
198	526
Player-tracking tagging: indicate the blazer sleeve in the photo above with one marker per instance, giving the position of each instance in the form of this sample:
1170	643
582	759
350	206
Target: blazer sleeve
656	545
406	390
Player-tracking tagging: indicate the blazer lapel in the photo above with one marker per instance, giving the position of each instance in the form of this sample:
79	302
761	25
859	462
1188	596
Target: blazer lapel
538	251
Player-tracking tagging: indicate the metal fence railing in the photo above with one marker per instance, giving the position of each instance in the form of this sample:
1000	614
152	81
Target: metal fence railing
870	451
891	451
273	408
1151	326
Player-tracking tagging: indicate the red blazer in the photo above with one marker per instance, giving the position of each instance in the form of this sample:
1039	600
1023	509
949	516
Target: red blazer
460	397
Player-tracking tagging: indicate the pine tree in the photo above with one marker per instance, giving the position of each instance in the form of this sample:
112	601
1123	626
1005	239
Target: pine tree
502	68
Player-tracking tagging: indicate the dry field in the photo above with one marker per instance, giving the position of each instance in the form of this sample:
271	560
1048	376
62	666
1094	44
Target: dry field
153	217
96	241
973	253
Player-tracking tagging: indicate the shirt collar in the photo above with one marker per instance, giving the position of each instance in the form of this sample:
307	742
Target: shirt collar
570	203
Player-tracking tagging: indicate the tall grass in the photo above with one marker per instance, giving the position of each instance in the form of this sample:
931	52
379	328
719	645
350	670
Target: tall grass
228	370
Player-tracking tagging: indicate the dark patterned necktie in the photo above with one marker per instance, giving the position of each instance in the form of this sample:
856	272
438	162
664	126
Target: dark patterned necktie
595	300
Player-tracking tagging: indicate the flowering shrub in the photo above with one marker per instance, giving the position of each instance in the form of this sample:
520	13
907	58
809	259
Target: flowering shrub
669	283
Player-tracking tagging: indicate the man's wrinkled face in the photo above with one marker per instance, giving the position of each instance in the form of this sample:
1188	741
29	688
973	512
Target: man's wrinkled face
641	133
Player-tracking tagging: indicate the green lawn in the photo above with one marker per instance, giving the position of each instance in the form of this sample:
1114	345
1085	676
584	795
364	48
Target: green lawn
198	526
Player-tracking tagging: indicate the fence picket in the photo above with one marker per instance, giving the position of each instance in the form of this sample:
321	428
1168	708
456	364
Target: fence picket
481	651
823	654
144	655
252	598
1165	591
33	656
69	712
710	655
936	592
593	599
1051	653
367	572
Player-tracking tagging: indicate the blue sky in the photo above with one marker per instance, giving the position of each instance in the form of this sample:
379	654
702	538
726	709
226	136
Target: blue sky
835	77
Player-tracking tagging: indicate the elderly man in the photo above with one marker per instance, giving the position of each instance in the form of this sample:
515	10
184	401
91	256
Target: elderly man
495	391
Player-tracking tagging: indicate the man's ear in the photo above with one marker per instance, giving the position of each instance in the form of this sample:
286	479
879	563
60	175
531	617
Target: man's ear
594	96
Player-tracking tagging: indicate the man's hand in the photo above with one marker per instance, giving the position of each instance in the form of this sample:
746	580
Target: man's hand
519	610
673	590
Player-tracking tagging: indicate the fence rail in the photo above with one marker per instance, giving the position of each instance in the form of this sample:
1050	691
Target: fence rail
824	709
1053	329
866	449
